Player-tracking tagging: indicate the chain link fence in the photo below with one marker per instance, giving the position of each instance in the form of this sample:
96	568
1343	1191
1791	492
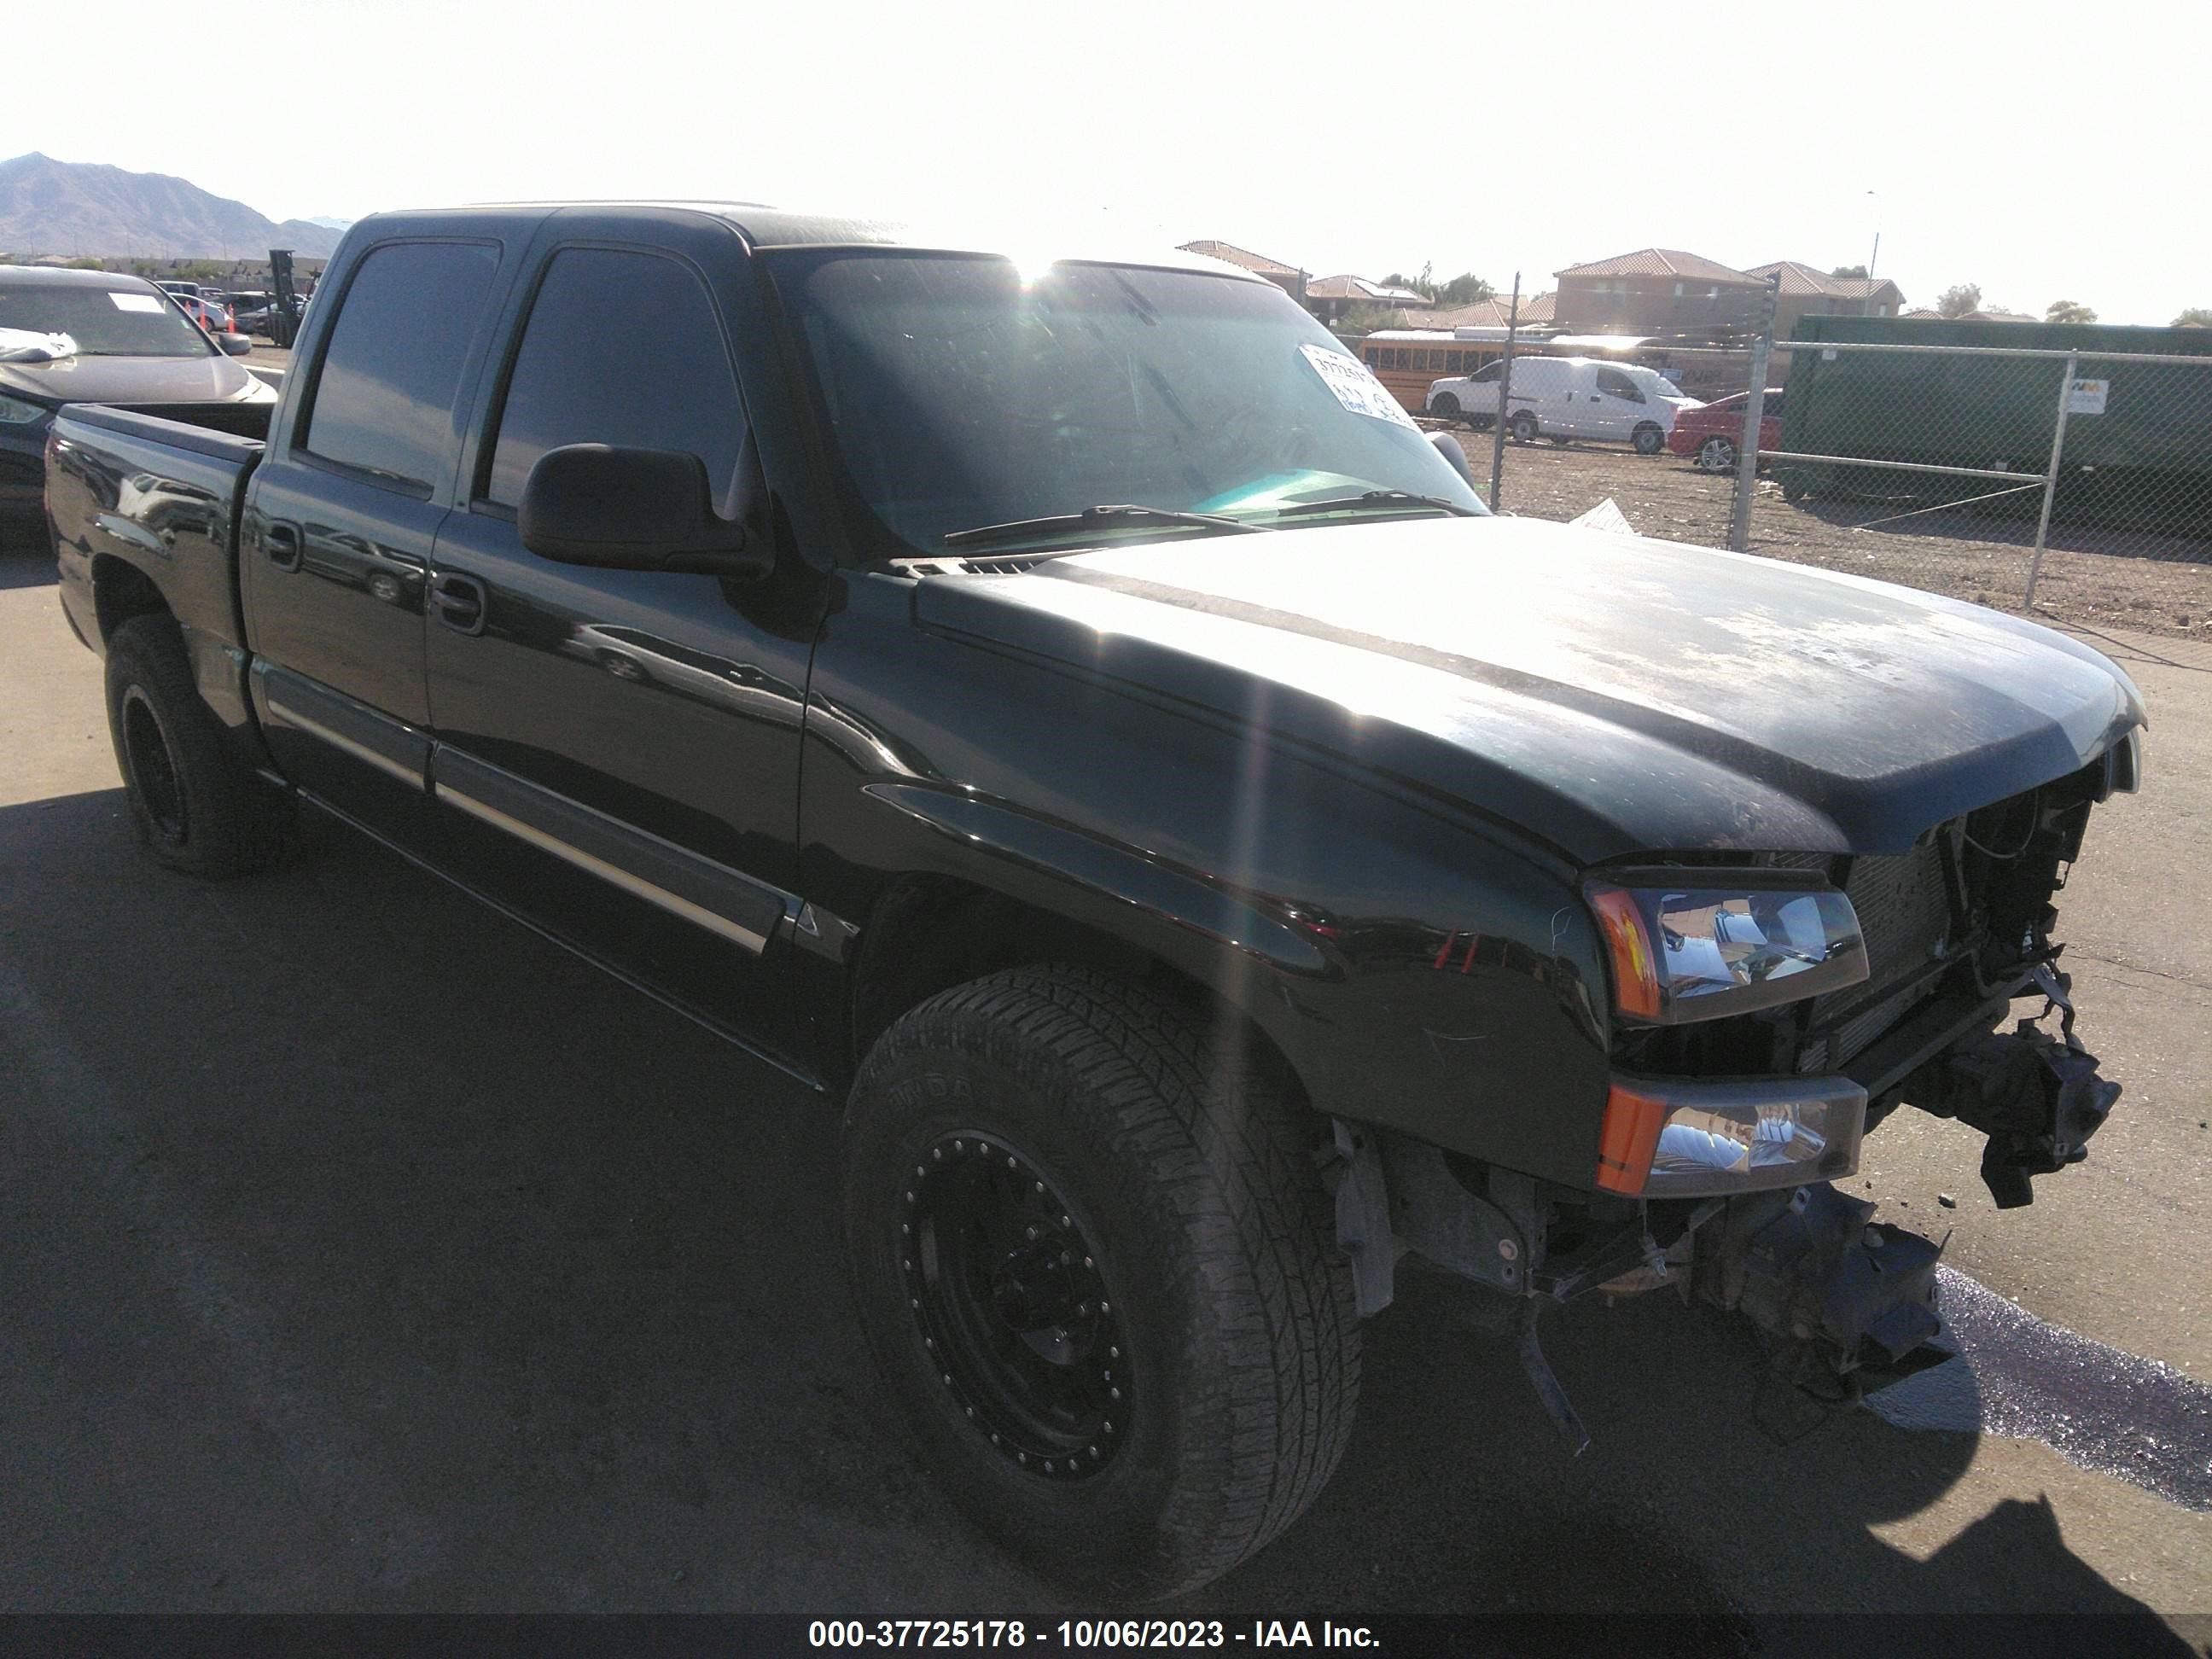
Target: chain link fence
2074	485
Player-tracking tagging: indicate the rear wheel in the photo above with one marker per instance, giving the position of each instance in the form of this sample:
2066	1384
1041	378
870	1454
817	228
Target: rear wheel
1649	439
195	807
1096	1266
1524	428
1717	455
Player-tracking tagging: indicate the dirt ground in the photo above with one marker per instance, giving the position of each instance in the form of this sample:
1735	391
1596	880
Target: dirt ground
2090	577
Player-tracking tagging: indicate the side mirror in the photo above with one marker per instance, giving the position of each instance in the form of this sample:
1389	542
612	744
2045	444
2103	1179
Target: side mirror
236	344
1450	448
633	509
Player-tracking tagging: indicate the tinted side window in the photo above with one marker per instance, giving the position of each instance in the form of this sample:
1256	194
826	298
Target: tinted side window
620	348
1489	373
384	400
1618	384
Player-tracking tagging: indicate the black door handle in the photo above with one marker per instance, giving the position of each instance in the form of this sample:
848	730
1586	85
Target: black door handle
460	602
280	542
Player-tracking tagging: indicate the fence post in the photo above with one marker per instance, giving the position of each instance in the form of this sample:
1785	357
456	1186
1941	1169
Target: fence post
1755	407
2050	476
1505	389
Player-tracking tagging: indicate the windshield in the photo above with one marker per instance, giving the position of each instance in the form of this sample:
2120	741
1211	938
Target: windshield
1655	383
963	394
105	322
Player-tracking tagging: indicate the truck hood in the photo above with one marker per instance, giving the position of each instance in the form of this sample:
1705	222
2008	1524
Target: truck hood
83	379
1609	695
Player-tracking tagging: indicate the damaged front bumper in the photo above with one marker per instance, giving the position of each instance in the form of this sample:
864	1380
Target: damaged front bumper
1845	1305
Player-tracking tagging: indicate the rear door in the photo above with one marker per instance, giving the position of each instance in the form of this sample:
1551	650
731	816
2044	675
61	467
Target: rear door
334	548
617	751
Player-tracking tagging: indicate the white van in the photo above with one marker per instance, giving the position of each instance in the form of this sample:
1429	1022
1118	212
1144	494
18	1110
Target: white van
1563	397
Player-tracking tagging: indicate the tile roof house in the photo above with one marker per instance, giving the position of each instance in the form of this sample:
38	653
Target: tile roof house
1656	290
1330	297
1289	278
1806	291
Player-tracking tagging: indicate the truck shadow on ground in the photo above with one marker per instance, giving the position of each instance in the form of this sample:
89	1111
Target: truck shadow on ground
371	1254
25	563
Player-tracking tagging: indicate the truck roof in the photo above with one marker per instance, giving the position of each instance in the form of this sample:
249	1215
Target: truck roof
767	226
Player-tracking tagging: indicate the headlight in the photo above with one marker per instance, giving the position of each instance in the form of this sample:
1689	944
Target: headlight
1669	1139
14	411
1688	953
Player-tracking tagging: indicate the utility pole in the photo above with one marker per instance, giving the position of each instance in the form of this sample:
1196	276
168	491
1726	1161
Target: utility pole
1504	390
1754	407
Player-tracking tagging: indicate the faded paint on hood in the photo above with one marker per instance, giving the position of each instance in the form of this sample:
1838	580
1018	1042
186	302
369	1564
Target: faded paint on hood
1611	695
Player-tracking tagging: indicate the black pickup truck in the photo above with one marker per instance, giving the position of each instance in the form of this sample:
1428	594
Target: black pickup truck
1064	712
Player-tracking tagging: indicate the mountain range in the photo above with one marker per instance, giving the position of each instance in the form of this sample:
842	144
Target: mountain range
83	208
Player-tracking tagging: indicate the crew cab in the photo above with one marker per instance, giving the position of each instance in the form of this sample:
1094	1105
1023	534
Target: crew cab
1065	713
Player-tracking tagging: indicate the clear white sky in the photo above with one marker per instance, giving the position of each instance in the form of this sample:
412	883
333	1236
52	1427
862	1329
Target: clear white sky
2045	151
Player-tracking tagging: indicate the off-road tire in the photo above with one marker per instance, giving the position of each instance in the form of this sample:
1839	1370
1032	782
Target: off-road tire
1193	1173
194	804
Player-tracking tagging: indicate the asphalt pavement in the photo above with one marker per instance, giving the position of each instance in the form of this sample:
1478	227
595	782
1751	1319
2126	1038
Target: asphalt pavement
360	1251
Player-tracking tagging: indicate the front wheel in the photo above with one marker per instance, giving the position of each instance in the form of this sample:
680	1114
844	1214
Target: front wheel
1099	1272
1445	406
1649	440
1717	455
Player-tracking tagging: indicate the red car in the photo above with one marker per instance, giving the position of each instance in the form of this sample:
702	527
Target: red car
1710	434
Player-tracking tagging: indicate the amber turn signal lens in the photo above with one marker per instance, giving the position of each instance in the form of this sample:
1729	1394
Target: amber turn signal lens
1635	967
1627	1139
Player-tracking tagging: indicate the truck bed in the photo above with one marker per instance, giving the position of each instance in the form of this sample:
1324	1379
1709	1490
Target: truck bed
159	488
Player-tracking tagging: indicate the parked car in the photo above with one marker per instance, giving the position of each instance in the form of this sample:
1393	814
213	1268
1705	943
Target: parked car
1567	397
1072	719
209	311
1710	432
95	337
249	310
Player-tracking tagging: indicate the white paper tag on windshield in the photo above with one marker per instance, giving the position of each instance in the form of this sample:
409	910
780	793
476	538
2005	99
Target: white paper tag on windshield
1356	386
135	302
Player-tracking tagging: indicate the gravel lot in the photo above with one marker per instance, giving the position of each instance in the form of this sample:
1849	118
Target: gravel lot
2095	577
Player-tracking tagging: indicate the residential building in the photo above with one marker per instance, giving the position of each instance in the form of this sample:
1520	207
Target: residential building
1657	291
1330	297
1289	278
1806	291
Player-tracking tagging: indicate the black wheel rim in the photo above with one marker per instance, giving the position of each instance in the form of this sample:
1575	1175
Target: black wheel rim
152	768
1009	1303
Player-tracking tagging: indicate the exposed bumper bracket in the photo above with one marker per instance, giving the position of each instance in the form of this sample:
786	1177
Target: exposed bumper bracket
2037	1097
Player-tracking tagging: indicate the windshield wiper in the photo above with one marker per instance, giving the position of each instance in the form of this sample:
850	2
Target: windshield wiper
1104	517
1377	500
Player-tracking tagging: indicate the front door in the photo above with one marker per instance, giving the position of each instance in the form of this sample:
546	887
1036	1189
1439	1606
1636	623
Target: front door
617	751
334	549
1616	408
